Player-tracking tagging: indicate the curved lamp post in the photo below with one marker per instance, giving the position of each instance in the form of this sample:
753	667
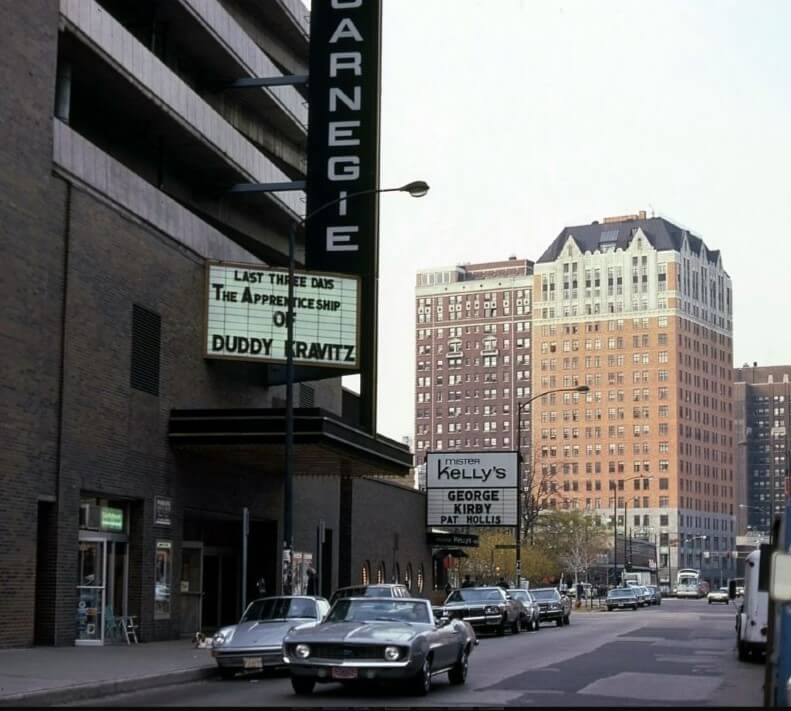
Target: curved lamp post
520	407
417	188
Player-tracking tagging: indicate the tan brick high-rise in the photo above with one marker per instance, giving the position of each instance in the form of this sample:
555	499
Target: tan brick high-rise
640	310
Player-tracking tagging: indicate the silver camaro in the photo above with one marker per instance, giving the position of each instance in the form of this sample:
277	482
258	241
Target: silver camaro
379	639
257	641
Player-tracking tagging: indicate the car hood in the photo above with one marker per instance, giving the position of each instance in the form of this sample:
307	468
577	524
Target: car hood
259	634
365	632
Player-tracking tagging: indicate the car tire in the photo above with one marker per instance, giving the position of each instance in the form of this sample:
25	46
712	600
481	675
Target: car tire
744	655
634	607
559	622
422	682
516	628
566	620
458	673
500	629
609	608
536	625
227	673
302	686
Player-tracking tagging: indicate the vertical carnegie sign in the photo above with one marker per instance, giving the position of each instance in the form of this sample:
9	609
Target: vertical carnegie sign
343	159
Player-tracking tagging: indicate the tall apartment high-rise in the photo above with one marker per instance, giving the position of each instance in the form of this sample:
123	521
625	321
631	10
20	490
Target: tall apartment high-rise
763	440
472	357
640	310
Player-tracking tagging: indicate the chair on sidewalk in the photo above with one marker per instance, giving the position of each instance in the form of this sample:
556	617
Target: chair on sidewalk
130	628
113	626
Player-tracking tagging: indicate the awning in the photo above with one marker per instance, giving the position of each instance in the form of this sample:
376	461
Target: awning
323	443
443	552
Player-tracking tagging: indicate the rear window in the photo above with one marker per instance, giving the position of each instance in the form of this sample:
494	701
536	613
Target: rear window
550	594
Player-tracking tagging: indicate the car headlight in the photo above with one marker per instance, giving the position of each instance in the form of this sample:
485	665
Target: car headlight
222	637
492	610
392	653
302	651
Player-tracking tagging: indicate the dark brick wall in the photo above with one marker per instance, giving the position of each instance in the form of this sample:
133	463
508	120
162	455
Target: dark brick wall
31	283
379	511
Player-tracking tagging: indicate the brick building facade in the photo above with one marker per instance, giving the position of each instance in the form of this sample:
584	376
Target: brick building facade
639	310
763	432
116	163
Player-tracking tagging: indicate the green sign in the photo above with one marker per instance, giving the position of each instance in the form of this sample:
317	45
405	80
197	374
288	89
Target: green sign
111	519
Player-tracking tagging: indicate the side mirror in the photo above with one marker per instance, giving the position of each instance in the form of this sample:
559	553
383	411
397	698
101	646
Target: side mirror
731	589
780	580
508	597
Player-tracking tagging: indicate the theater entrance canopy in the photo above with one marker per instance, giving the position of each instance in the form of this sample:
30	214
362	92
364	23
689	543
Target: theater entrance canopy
323	443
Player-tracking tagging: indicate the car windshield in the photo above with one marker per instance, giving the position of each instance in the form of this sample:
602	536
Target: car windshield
520	595
380	610
723	590
550	594
280	608
622	593
477	595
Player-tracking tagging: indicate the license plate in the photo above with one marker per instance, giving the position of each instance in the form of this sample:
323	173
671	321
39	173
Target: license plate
252	662
344	673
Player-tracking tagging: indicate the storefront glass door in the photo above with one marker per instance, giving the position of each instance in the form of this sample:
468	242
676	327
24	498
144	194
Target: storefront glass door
92	566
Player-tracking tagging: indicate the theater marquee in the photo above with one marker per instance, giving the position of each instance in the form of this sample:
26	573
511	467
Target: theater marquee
472	488
246	314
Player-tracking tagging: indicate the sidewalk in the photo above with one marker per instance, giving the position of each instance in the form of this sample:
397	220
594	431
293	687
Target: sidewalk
57	675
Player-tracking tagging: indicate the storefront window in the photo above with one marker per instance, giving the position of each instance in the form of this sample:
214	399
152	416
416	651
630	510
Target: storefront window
162	575
98	514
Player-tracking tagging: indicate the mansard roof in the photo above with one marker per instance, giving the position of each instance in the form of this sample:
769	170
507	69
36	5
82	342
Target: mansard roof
662	234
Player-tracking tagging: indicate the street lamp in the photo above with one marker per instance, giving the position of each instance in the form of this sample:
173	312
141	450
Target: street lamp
520	408
615	524
417	188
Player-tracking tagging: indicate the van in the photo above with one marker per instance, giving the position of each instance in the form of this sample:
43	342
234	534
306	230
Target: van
753	612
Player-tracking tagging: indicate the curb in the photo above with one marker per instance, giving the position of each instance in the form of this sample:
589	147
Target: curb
83	692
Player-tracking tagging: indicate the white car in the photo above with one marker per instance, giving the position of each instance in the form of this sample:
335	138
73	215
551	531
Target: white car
720	595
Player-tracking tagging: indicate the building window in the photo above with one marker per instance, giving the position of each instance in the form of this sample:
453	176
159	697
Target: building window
664	483
365	573
163	565
381	573
421	579
408	578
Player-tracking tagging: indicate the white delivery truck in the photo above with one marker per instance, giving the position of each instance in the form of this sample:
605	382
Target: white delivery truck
752	615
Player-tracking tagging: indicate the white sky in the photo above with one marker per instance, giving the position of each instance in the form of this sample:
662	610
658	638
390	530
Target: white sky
527	116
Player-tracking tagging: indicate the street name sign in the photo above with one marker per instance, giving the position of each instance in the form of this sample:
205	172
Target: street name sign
472	488
246	315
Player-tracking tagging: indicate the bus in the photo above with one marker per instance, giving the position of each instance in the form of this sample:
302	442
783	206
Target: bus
690	584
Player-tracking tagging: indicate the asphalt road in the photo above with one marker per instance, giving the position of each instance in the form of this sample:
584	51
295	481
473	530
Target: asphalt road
679	654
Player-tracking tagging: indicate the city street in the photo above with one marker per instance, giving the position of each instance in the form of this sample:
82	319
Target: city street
681	653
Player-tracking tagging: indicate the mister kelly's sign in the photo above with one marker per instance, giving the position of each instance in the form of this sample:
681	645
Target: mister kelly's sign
246	311
343	135
472	488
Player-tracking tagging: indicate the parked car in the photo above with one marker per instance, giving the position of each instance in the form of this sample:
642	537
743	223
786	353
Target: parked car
621	598
486	608
552	606
529	617
257	641
378	590
719	595
643	595
752	617
656	594
366	639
